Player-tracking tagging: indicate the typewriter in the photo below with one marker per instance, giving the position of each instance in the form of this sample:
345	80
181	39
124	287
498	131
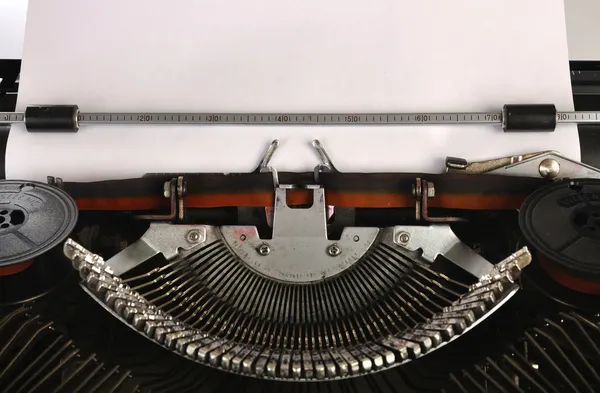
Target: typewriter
485	278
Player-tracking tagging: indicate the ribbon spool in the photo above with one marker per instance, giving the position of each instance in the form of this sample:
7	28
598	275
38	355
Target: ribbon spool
34	218
562	222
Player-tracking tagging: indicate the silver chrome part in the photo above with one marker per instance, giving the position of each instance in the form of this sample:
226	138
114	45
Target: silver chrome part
437	240
263	249
194	236
509	267
531	167
76	118
325	165
167	189
403	238
498	118
322	361
292	118
579	117
269	154
334	250
299	250
264	164
547	164
160	238
549	168
430	190
180	190
8	118
461	165
323	156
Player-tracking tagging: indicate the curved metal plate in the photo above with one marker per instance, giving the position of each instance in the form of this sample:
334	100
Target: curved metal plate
299	259
34	217
299	250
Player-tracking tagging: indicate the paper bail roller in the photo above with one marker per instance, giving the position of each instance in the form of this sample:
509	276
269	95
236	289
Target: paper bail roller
52	118
512	118
541	117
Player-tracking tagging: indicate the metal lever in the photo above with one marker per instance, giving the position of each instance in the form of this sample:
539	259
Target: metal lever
325	165
160	238
546	164
437	240
264	164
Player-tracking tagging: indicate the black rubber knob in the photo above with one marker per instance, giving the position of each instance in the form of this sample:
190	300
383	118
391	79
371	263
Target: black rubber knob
52	118
527	118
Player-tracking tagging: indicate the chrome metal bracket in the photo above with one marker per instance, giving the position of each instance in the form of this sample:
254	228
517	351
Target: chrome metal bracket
423	190
175	190
325	165
437	240
160	238
264	167
299	249
546	165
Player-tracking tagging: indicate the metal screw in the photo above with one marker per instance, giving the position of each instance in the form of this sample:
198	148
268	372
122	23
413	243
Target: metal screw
403	237
243	237
549	168
167	189
334	250
356	238
264	249
430	190
193	236
184	189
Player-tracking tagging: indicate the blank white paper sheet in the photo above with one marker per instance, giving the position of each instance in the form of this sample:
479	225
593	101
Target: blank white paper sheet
12	28
286	55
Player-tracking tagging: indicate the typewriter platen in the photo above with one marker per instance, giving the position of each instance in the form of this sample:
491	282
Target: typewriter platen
484	278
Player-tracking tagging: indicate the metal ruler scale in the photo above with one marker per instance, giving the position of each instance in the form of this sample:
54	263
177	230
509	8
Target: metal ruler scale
273	118
525	117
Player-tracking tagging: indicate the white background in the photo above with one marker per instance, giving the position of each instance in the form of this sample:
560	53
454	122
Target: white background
12	28
583	28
